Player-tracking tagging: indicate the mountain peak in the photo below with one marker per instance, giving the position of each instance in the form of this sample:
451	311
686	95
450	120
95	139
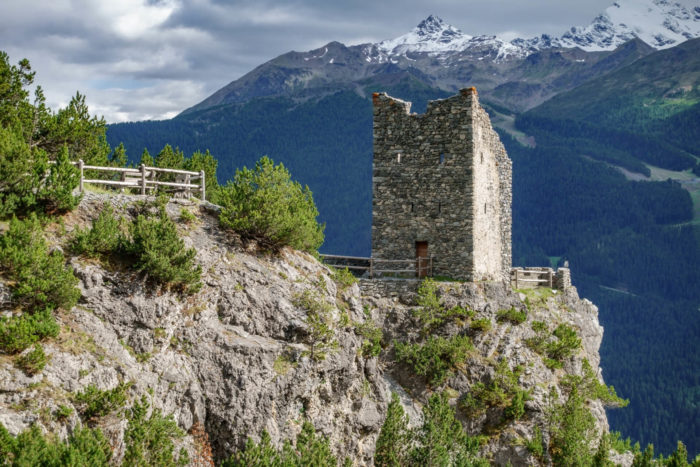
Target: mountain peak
431	35
432	24
659	23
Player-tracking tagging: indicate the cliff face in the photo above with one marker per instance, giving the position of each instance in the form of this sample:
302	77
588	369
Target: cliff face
237	356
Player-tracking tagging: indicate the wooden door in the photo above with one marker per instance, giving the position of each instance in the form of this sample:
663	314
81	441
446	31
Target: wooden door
422	261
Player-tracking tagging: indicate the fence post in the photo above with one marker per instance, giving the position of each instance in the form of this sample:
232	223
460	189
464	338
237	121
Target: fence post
516	278
549	277
80	166
203	188
142	168
371	267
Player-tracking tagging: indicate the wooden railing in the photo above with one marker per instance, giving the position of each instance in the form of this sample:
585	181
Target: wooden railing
522	278
526	278
145	178
375	267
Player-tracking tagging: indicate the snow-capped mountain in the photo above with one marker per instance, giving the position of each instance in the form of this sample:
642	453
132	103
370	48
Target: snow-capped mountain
659	23
434	36
518	74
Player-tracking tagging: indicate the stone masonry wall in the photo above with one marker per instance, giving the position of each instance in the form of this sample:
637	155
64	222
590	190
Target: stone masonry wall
444	178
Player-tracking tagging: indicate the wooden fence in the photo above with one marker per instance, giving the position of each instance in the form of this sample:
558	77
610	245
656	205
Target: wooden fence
522	278
375	267
145	178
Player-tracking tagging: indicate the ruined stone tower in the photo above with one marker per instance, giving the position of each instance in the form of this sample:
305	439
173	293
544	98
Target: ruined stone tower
441	187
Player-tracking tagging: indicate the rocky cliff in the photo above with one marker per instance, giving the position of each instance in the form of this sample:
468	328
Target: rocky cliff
242	356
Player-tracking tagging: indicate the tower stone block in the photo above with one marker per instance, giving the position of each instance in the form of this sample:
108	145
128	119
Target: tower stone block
441	187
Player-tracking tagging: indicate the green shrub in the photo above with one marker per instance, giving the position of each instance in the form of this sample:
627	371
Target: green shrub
32	362
571	424
512	316
63	412
161	253
516	408
309	450
555	348
620	445
21	171
437	358
84	447
372	334
394	440
149	440
502	391
591	388
481	324
206	162
431	312
571	430
56	194
94	402
42	279
103	238
187	216
266	205
343	277
565	345
536	445
441	439
18	333
321	336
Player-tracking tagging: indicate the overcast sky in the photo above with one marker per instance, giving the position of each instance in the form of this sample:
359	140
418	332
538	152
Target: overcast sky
151	59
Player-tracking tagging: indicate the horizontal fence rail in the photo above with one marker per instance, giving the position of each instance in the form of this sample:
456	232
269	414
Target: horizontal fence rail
523	278
376	267
145	178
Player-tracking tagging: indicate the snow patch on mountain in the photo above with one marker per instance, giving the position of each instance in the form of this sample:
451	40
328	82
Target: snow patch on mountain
435	37
659	23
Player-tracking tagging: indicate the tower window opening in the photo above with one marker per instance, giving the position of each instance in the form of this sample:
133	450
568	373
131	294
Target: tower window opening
442	158
398	158
484	208
439	207
411	207
482	157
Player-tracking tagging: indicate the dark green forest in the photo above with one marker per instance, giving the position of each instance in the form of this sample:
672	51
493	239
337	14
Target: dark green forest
629	244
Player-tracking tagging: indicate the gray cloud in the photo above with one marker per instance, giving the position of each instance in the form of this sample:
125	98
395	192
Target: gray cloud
150	59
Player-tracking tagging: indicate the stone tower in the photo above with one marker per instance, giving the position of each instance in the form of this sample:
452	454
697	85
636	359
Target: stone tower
441	187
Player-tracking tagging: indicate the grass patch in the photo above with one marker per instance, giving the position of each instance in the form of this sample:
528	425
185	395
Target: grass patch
512	316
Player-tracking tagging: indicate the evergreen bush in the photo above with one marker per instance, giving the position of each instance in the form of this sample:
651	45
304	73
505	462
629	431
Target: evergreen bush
437	358
264	204
32	362
161	253
18	333
95	402
56	193
394	441
511	315
150	439
84	447
321	336
309	450
41	279
103	238
441	439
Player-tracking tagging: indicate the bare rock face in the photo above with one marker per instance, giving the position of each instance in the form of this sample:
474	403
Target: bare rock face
236	356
